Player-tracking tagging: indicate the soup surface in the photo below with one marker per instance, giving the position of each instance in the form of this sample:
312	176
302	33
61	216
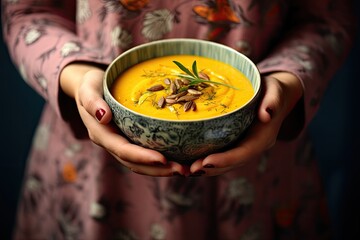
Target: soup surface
160	88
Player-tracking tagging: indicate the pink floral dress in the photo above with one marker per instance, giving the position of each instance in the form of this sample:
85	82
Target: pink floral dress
73	189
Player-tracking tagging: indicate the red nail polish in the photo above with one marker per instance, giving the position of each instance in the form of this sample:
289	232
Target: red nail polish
209	166
99	114
177	174
197	173
158	164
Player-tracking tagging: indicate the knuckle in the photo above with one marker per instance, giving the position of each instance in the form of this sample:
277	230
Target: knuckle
86	100
89	103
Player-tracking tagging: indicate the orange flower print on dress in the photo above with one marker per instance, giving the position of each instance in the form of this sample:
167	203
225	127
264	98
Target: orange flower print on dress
134	5
128	9
69	173
222	12
220	15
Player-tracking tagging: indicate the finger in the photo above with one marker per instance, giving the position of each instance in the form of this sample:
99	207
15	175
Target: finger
230	159
108	137
168	170
91	97
198	169
271	102
133	153
261	137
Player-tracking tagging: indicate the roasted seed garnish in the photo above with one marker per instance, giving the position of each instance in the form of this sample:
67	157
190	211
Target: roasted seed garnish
170	101
203	85
185	81
181	92
173	88
161	102
187	98
204	76
167	81
178	83
188	105
194	92
176	96
173	96
193	106
156	88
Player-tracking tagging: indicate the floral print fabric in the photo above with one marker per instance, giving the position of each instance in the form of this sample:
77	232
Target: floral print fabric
75	190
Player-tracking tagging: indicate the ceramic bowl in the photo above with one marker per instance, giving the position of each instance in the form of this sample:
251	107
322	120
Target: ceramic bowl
183	140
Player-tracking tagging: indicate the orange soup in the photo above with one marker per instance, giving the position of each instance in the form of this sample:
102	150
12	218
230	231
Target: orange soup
182	87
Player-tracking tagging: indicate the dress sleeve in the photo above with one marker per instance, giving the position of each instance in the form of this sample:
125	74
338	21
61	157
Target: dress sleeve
41	39
316	40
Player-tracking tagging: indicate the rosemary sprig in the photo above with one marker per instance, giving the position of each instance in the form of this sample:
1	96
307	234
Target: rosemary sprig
194	77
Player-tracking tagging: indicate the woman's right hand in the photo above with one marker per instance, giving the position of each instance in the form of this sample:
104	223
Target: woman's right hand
83	82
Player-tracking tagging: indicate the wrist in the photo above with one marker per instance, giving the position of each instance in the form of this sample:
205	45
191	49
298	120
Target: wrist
72	75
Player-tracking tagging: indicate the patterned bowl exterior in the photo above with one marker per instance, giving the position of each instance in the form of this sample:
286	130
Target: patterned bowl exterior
181	140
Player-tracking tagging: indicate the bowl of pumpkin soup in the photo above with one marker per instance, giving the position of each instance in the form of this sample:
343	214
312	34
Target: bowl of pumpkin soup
185	98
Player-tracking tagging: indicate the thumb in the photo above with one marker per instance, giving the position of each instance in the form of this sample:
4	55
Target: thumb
90	96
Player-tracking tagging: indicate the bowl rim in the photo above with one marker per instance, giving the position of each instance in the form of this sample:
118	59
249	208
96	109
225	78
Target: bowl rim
251	101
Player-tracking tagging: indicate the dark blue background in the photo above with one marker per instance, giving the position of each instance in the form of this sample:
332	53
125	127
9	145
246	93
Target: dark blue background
19	113
335	130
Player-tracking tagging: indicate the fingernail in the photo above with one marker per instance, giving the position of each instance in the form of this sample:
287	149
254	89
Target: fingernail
176	174
209	166
156	163
197	173
99	114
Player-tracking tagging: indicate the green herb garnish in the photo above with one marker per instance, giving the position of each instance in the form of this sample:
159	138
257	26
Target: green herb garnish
193	76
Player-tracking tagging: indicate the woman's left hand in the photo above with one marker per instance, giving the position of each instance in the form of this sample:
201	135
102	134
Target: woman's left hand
281	92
